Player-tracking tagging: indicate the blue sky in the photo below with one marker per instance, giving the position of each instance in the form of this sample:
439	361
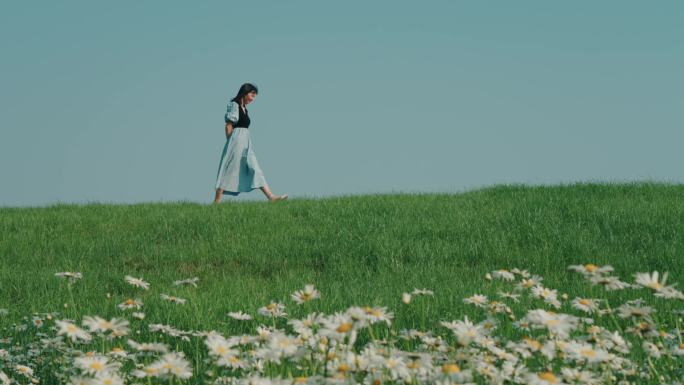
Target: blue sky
123	102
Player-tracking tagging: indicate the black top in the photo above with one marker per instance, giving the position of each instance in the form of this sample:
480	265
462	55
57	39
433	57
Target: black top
243	120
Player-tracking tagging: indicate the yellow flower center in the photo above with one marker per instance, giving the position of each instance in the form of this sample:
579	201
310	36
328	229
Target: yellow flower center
585	302
343	368
588	353
548	377
97	366
590	268
450	368
300	380
345	327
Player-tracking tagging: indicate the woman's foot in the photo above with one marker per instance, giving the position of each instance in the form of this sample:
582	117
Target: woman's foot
274	198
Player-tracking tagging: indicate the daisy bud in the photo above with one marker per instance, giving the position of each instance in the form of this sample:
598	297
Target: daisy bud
406	298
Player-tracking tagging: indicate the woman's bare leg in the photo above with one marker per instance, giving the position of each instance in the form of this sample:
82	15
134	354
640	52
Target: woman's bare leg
219	194
271	196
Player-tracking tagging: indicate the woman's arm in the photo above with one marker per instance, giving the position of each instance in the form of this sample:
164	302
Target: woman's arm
229	129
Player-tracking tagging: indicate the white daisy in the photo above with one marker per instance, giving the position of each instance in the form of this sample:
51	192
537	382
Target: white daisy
239	315
72	331
137	282
309	293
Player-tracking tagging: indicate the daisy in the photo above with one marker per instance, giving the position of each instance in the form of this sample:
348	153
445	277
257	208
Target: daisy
608	282
107	378
188	281
130	304
337	326
119	327
273	309
72	331
24	370
138	315
577	376
378	314
69	276
422	292
309	293
549	296
221	348
477	300
465	331
239	315
558	324
137	282
503	274
172	364
406	298
93	365
505	294
586	305
174	299
544	378
591	269
148	347
529	282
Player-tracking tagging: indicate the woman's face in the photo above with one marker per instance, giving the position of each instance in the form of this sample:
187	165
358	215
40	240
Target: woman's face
248	98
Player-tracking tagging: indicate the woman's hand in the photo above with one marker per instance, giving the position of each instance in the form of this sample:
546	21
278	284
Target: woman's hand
229	129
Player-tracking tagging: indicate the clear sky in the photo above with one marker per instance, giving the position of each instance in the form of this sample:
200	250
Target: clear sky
123	102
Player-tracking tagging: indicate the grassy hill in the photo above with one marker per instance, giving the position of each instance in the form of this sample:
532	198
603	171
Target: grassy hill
357	250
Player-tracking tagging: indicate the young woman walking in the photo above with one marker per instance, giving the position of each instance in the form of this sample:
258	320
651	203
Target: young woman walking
239	170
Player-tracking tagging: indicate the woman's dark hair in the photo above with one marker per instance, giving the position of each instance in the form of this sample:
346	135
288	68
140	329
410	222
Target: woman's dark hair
244	90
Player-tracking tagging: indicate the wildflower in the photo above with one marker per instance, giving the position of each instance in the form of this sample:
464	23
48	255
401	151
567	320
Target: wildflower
549	296
137	282
239	315
273	309
171	364
72	331
337	326
608	282
119	327
4	378
309	293
24	370
543	378
586	305
221	348
505	294
503	274
69	276
94	365
591	269
107	378
130	304
465	331
188	281
148	347
422	292
576	376
477	300
174	299
529	282
138	315
652	349
406	298
582	352
634	309
376	314
557	324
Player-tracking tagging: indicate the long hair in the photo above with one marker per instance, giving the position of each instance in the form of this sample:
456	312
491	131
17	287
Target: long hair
244	90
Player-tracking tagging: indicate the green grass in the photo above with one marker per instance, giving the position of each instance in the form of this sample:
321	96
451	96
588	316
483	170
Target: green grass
356	250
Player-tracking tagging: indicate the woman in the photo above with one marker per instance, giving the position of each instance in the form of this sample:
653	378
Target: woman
239	170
